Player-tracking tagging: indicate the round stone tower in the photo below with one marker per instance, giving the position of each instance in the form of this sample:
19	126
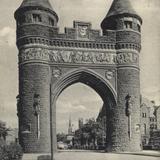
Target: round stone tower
36	21
124	125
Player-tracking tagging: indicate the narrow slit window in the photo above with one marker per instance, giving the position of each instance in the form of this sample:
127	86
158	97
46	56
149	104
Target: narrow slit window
128	24
144	129
144	115
37	18
139	28
51	22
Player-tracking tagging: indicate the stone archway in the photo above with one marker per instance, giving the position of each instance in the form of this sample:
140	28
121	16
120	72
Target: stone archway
112	68
90	78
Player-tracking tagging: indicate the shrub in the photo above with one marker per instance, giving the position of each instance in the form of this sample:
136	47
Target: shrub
2	149
11	152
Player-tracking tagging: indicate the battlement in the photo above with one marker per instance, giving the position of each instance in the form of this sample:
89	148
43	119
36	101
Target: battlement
80	36
81	31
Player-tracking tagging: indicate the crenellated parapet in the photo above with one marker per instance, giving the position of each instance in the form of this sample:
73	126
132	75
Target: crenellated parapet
80	36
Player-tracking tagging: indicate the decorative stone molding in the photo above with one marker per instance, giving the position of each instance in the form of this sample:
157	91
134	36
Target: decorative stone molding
65	43
81	57
133	46
33	54
56	72
127	58
75	44
109	74
66	56
77	57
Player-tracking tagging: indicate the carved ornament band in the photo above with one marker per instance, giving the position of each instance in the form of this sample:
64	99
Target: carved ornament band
77	57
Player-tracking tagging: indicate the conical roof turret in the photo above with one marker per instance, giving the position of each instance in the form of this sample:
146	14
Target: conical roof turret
121	7
40	3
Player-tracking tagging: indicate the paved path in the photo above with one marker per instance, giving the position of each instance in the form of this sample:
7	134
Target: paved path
90	155
102	156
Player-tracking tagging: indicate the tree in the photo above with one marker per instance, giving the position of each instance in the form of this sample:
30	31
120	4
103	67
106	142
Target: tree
3	131
61	137
89	133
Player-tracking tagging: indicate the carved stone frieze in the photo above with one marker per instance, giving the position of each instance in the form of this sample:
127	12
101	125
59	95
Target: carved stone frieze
77	57
66	56
124	58
81	57
33	54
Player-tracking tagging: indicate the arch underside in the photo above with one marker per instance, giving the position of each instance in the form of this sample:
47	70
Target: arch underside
89	78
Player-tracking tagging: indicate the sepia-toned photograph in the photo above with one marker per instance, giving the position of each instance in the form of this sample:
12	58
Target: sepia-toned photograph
79	79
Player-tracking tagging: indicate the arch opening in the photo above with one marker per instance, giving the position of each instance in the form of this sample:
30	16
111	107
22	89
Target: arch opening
91	79
77	109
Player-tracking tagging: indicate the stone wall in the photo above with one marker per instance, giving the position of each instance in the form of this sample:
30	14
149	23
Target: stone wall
34	79
128	84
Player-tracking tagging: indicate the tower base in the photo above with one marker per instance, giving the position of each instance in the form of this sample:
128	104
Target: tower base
35	156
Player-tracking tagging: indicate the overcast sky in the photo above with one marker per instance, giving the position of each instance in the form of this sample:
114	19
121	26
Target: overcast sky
84	10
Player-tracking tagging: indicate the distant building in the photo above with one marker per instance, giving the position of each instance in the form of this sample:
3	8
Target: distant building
157	115
80	123
155	140
146	116
150	122
155	129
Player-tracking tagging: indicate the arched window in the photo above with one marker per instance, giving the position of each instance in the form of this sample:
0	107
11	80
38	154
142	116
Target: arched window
144	115
51	21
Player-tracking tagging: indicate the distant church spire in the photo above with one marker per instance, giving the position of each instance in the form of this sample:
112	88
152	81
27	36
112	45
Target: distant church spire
70	126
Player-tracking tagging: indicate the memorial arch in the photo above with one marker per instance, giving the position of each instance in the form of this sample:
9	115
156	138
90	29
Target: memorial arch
50	61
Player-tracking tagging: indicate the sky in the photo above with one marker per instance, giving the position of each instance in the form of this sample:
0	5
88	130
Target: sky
84	10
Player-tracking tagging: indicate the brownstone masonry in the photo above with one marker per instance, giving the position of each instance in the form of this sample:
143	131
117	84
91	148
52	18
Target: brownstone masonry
50	61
